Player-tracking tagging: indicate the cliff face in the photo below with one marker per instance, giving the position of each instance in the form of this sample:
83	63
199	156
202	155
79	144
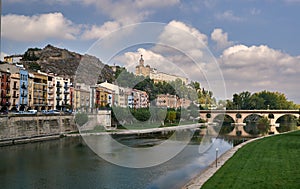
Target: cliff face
62	62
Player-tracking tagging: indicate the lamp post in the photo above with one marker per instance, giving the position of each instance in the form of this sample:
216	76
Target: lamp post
217	149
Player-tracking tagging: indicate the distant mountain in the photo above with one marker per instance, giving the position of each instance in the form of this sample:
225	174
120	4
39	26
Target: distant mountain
62	62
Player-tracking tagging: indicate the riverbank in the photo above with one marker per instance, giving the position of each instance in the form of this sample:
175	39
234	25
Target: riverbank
210	173
28	139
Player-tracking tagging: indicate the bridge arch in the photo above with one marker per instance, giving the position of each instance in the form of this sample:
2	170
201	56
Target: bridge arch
251	124
286	122
224	123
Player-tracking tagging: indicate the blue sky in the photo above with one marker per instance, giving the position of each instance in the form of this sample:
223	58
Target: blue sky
255	43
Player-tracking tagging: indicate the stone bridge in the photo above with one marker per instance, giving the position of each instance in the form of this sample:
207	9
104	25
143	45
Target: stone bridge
239	117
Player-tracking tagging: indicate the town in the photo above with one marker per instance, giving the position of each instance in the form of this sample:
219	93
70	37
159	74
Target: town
24	90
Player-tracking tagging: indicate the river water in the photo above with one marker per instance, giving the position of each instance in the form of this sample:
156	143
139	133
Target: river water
70	163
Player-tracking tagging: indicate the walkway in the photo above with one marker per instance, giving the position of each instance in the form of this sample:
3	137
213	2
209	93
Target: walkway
203	176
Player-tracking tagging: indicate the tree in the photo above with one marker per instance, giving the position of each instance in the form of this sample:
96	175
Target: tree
263	125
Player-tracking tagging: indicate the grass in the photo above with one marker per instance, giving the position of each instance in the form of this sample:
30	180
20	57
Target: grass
272	162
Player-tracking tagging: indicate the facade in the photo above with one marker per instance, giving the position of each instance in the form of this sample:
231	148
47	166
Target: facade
5	90
115	89
40	89
172	101
13	59
104	97
23	99
14	91
51	93
152	73
140	99
62	98
167	100
30	90
81	96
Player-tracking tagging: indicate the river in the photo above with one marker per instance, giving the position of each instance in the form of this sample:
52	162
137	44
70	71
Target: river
70	163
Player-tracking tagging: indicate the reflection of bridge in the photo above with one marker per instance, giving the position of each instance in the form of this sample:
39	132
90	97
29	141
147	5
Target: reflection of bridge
239	117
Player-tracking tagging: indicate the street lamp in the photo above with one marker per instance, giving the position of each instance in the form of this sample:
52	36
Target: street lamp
217	149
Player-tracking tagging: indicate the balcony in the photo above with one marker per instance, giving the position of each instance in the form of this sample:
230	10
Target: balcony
23	95
23	86
15	96
66	92
16	88
58	85
58	92
58	98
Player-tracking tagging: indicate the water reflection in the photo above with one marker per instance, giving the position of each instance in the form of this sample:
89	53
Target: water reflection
69	163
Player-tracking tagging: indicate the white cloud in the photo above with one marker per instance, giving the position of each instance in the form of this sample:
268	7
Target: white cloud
257	68
129	11
38	27
229	16
187	39
221	38
95	32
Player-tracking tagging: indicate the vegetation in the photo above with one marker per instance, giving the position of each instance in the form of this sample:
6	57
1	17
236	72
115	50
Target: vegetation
153	115
271	162
193	92
260	100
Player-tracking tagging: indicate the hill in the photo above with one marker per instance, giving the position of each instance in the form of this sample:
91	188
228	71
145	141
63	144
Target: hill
65	63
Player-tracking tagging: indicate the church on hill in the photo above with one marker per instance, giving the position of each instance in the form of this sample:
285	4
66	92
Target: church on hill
157	76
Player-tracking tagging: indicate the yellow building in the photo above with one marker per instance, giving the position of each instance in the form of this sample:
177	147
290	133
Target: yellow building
104	96
81	97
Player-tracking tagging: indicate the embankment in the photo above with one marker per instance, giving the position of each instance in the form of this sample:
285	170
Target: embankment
16	129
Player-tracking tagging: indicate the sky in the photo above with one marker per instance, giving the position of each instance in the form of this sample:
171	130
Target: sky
252	45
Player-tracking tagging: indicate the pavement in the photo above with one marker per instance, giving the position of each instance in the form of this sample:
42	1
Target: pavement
203	176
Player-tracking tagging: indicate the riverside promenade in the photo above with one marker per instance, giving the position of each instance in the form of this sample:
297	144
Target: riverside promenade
204	175
140	131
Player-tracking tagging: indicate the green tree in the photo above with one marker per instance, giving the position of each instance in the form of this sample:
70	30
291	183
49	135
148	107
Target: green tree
263	125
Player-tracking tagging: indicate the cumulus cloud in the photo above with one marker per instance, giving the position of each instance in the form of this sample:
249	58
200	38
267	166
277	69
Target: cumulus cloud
221	38
95	32
38	27
185	38
229	16
258	68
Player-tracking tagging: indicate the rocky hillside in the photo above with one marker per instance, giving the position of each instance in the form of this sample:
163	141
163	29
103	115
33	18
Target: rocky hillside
51	59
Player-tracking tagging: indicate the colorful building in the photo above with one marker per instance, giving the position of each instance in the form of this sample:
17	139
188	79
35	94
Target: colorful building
23	99
14	91
5	90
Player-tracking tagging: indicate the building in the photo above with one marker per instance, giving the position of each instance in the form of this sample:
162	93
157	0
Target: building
51	92
23	99
40	90
115	89
81	97
140	99
62	98
157	76
13	59
172	101
5	90
14	91
167	100
104	97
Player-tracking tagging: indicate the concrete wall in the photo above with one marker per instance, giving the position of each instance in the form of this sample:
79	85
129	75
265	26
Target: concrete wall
33	126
